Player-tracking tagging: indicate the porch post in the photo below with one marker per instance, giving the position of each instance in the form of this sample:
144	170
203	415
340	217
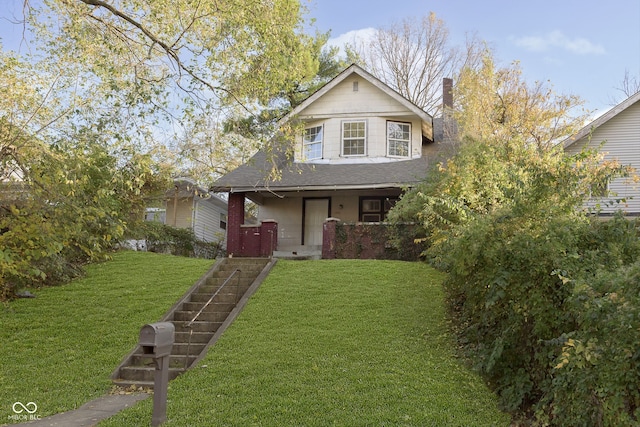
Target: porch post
329	244
268	237
235	219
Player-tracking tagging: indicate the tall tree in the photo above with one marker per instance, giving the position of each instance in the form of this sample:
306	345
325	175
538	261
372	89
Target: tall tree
506	134
329	65
414	55
496	104
105	84
223	142
147	68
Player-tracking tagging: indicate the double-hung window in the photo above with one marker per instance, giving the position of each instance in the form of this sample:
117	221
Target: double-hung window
398	139
312	143
354	138
376	208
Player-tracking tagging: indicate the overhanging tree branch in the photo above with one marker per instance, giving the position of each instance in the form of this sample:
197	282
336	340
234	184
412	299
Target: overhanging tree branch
169	50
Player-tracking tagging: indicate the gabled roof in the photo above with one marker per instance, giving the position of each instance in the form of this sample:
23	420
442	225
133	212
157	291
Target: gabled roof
309	176
613	112
355	69
254	175
185	188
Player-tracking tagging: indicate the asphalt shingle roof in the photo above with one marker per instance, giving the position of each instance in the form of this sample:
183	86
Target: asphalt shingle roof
252	176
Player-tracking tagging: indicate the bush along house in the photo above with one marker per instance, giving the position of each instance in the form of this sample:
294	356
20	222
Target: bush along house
355	144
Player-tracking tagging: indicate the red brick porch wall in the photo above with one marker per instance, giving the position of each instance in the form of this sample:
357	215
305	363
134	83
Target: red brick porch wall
363	241
258	240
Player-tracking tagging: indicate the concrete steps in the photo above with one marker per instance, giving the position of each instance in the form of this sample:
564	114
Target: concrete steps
192	341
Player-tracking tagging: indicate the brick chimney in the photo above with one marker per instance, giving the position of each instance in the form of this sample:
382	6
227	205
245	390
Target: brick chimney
449	125
447	93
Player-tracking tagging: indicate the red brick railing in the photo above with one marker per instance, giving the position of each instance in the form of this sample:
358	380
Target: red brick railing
363	240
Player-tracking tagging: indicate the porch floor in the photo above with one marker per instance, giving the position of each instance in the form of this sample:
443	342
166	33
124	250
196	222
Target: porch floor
298	252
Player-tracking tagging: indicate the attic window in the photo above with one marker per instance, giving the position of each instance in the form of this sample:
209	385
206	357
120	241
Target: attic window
355	86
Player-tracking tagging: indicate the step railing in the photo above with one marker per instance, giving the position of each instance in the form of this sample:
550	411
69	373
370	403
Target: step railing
190	323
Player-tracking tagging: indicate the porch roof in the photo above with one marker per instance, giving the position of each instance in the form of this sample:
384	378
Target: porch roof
253	175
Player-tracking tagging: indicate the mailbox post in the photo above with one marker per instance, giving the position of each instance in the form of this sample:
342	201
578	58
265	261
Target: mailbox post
156	340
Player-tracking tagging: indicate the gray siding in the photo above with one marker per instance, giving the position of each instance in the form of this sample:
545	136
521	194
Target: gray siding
207	220
622	143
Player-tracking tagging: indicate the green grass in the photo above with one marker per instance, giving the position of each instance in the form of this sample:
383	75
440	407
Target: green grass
58	349
346	343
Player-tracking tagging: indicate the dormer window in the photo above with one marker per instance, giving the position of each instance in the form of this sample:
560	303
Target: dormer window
398	139
354	138
312	143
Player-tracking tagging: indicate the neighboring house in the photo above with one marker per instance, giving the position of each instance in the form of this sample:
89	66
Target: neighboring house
619	128
358	144
191	206
13	189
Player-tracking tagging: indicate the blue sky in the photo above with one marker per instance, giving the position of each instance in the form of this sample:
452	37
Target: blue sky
582	47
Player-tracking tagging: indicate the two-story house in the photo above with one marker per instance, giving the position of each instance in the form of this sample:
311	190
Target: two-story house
358	144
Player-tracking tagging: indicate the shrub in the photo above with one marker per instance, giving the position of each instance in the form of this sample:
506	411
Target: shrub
372	241
504	221
600	359
508	296
163	238
549	311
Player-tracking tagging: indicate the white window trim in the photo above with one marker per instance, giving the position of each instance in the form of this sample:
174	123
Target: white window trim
389	139
342	123
305	144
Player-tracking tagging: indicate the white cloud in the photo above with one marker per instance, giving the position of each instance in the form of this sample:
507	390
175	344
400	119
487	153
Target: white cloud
557	39
354	37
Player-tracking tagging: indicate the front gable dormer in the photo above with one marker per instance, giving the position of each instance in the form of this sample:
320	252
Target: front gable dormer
356	118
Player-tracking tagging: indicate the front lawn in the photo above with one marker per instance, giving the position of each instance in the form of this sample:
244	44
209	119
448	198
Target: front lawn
58	350
340	342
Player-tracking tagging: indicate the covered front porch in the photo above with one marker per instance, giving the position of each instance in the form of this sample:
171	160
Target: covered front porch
290	224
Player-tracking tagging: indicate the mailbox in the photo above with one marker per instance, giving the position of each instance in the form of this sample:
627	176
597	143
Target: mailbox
156	339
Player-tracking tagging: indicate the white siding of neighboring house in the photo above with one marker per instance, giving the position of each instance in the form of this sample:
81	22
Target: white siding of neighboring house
207	220
203	216
622	136
368	103
182	217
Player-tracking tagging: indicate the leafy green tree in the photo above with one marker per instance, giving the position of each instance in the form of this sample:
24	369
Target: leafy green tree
497	105
234	50
71	204
484	178
155	73
218	143
507	131
329	65
87	114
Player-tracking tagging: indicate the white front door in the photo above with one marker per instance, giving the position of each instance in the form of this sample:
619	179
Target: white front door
315	212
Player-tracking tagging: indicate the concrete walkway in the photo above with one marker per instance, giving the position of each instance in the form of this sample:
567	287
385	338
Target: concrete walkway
92	412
